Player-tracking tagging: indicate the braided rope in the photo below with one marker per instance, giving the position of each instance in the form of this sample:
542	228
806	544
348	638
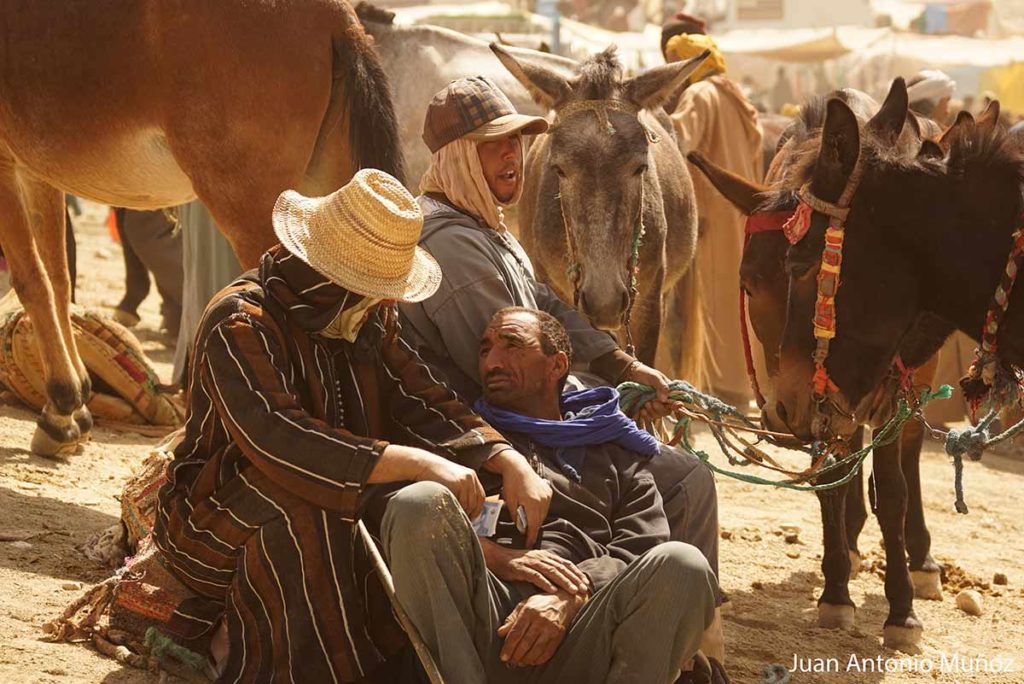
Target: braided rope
723	419
987	375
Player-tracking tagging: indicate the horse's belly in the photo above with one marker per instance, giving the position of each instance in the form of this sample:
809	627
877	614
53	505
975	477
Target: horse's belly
135	170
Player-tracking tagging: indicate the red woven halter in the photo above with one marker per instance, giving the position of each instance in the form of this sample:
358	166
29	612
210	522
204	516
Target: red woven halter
760	222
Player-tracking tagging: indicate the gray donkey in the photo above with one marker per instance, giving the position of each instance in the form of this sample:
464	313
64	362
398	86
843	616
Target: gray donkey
608	214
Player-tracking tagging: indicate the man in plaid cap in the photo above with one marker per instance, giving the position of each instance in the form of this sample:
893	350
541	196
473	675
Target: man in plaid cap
476	138
476	172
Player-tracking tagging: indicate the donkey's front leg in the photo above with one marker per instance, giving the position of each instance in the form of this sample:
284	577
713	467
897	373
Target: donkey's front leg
647	320
856	512
924	571
902	628
835	607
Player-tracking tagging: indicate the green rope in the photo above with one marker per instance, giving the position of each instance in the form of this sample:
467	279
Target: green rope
633	396
160	645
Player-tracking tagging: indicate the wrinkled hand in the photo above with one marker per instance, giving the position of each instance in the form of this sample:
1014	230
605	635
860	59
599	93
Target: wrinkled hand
661	406
462	482
545	570
537	627
522	486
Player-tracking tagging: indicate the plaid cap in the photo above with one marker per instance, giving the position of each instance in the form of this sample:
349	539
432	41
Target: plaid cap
467	104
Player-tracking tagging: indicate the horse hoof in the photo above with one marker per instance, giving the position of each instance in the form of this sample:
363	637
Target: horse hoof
44	444
905	637
831	616
854	564
83	419
927	585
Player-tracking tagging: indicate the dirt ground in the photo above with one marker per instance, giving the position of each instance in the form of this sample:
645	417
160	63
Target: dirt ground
48	507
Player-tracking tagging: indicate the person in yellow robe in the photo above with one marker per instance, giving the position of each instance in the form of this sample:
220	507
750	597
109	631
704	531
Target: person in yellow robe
713	116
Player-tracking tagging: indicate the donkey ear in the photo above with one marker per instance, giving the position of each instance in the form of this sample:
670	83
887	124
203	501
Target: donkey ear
547	87
653	87
743	194
964	118
930	150
913	125
888	122
840	137
990	117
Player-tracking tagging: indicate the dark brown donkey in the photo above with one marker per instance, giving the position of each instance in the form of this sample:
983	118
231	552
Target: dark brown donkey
151	104
607	176
928	232
763	278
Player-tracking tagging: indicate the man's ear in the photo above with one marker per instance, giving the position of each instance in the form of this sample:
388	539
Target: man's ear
561	364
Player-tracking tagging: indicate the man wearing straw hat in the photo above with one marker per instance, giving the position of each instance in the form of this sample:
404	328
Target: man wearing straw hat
301	395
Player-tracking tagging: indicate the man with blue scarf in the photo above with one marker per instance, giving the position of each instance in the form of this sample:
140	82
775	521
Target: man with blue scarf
604	595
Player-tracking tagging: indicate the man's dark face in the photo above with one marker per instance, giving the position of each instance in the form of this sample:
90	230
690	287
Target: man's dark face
515	372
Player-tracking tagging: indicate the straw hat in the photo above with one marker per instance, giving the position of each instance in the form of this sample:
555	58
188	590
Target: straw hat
362	237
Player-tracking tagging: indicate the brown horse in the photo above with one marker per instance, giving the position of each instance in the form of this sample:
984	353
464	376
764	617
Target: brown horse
608	179
896	466
147	105
928	232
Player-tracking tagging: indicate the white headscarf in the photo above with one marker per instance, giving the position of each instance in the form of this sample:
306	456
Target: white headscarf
456	172
933	86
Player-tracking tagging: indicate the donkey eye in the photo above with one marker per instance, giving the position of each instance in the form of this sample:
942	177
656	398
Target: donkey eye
798	268
640	170
558	170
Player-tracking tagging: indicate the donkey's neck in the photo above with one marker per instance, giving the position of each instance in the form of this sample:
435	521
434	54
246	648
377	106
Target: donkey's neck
963	243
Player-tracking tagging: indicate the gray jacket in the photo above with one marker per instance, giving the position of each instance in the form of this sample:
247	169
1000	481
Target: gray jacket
483	271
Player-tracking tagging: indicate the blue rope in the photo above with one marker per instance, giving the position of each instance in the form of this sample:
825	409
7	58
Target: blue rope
972	442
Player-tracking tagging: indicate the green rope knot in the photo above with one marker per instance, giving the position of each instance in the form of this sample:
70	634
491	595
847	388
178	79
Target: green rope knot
160	645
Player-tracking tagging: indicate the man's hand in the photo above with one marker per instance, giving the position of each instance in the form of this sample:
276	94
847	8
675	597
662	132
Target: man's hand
462	482
545	570
522	486
537	626
661	406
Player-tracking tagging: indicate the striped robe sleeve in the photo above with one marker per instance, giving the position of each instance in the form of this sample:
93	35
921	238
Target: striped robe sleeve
245	376
432	416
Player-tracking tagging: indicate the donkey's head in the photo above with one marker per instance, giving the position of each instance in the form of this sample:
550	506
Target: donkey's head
599	148
905	197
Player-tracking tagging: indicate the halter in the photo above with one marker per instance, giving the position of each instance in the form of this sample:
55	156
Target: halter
760	222
986	372
600	108
827	283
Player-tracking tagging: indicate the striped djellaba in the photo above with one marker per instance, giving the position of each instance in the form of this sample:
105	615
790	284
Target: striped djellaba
284	427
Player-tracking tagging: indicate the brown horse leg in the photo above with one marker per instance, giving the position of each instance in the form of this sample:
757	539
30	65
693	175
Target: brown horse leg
48	203
835	607
56	431
856	512
902	628
924	571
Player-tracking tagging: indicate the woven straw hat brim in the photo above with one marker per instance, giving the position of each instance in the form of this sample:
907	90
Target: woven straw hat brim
504	126
351	250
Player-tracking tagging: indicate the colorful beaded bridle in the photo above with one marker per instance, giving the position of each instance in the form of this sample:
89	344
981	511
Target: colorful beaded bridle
986	371
600	108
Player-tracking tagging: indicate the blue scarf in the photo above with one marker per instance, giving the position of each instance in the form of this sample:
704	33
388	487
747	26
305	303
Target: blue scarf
590	417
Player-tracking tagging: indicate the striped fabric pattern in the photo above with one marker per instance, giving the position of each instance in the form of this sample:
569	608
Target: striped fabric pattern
284	428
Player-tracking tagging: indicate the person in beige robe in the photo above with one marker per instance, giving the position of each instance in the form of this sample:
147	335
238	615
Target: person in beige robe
713	117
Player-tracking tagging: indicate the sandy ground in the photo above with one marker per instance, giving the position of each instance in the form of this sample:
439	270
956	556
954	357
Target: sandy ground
771	618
